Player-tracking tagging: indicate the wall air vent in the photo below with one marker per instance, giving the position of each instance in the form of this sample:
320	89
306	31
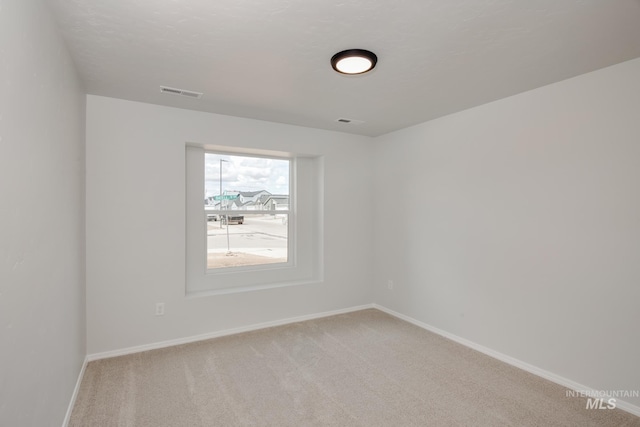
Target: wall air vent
180	92
349	121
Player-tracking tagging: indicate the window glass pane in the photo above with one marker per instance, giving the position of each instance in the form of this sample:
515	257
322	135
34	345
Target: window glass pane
235	186
248	183
246	239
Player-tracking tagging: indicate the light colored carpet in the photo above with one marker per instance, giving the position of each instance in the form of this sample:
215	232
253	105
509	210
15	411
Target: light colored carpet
359	369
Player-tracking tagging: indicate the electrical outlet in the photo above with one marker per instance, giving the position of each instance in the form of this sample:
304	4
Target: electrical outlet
160	309
390	285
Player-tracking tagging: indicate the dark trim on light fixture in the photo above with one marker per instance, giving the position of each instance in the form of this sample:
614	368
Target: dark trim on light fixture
361	54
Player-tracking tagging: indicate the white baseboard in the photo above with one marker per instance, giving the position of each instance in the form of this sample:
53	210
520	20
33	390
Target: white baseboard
625	406
187	340
74	396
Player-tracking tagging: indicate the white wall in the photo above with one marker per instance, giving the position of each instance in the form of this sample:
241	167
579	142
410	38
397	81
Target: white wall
42	323
136	224
525	237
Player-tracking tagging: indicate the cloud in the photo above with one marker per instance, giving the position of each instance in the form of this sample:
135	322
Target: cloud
241	173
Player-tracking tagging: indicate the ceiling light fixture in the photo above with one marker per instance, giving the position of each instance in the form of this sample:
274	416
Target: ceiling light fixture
354	61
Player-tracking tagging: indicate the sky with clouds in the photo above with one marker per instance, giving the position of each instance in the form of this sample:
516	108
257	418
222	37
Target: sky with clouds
240	173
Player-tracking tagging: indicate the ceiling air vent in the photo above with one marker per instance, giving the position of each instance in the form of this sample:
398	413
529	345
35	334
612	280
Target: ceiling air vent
349	121
181	92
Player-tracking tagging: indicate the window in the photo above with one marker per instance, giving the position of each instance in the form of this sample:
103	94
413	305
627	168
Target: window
246	205
253	219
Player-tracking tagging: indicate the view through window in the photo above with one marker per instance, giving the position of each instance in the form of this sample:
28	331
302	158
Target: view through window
247	209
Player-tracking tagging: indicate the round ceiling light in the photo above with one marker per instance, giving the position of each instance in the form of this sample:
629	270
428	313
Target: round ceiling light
354	61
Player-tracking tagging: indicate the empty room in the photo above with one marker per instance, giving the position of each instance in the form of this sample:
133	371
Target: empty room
310	213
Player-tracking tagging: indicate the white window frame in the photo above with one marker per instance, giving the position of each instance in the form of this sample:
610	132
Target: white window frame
305	243
291	218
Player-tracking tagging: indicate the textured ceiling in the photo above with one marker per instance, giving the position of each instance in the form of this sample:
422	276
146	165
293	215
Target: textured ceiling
269	59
